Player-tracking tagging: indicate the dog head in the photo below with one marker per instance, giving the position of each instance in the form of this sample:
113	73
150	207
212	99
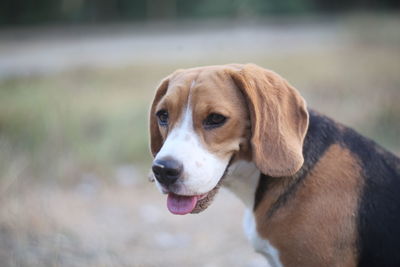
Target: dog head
203	119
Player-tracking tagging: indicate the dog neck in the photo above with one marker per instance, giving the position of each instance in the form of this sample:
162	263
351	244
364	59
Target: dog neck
321	134
242	179
246	181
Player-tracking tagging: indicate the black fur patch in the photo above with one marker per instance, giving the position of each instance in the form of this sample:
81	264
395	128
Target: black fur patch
378	215
379	206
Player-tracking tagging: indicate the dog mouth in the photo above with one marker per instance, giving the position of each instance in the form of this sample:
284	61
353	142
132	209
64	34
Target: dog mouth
181	205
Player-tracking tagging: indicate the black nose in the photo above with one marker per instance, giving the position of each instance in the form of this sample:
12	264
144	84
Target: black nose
167	171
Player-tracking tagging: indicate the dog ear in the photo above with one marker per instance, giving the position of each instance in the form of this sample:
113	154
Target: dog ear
279	120
155	134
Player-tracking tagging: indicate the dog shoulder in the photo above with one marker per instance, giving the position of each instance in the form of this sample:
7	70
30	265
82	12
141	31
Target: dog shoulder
353	180
379	203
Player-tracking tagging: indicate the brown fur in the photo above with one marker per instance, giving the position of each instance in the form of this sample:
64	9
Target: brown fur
320	219
279	120
156	139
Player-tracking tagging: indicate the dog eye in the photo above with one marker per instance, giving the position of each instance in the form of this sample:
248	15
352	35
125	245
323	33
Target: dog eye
214	120
162	117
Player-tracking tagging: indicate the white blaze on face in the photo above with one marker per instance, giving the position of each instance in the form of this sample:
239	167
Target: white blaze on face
202	169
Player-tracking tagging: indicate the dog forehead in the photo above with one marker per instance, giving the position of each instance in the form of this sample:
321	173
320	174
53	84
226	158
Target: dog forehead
202	82
203	90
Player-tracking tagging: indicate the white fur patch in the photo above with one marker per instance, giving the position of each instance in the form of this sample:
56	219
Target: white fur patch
202	169
260	245
242	179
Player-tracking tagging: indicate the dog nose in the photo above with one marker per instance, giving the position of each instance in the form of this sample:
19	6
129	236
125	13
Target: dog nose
167	171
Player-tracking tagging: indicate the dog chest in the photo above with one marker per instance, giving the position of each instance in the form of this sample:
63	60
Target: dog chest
260	245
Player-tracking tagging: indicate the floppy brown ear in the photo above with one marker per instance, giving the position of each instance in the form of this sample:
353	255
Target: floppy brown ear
279	120
155	134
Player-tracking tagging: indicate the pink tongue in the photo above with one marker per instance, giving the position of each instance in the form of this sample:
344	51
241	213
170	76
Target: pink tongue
181	204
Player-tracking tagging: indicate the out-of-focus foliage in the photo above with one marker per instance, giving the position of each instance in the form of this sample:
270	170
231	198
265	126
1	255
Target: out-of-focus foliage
92	11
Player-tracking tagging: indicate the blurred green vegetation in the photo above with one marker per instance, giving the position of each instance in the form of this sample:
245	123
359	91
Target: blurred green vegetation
86	120
94	120
20	12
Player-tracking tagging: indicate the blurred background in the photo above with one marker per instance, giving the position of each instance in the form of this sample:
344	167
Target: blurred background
76	81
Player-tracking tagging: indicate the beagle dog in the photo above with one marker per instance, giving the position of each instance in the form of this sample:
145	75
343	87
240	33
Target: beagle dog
317	193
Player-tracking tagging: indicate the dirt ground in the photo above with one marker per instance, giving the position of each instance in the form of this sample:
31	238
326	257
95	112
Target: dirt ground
124	224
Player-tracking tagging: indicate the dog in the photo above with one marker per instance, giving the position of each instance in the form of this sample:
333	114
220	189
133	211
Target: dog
317	193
